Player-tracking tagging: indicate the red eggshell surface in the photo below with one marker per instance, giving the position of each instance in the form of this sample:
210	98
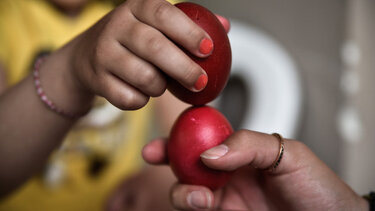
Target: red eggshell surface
196	130
217	65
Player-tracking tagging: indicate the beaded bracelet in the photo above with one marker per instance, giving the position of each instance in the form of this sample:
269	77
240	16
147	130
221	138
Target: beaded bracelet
43	97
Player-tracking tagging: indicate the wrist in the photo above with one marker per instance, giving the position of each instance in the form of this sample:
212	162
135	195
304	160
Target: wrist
61	86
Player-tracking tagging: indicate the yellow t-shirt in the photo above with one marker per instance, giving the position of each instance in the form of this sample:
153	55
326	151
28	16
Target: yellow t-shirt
105	146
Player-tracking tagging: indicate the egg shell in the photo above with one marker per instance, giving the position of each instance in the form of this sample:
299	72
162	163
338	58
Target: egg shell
217	65
196	130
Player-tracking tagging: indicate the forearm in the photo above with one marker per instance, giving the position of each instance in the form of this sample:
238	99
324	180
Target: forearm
29	131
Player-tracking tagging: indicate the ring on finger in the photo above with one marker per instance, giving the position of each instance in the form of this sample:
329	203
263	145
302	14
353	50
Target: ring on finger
277	161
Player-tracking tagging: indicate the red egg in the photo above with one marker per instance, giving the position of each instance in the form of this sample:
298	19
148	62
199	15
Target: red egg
217	65
196	130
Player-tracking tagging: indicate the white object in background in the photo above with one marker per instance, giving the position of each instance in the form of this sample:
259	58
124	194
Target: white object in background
276	93
101	116
55	174
349	122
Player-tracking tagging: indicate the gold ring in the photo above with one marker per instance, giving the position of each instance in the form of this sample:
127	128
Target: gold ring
280	155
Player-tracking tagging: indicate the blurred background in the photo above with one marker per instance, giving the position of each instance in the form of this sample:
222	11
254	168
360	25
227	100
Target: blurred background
300	68
331	47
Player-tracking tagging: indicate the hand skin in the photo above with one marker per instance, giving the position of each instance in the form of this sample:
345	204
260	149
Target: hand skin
149	189
124	58
145	191
301	181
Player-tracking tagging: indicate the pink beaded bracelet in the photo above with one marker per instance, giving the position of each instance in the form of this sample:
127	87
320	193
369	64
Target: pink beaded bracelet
42	95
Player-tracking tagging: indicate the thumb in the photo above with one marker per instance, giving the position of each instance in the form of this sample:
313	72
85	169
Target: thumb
155	152
256	149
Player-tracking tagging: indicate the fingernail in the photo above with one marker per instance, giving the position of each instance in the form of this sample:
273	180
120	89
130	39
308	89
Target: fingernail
215	152
199	200
206	46
201	82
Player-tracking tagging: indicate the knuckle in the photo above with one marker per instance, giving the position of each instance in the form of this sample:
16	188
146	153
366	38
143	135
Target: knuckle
101	52
243	134
120	15
299	146
124	8
159	91
148	40
132	101
104	87
154	43
146	77
191	73
152	84
97	54
298	151
137	6
109	22
162	11
136	31
196	34
124	98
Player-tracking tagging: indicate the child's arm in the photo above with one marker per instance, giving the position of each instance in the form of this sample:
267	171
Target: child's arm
124	58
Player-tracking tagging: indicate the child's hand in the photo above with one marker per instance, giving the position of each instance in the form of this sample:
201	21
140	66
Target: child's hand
125	56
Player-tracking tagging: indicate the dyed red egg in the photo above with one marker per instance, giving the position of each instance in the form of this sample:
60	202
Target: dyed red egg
196	130
217	65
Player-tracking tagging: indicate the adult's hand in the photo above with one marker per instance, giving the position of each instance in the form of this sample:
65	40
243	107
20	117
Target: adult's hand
301	181
147	190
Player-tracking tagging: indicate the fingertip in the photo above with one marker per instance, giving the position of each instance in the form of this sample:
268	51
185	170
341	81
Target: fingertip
155	152
215	152
201	82
206	46
192	197
220	158
200	199
224	22
146	153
